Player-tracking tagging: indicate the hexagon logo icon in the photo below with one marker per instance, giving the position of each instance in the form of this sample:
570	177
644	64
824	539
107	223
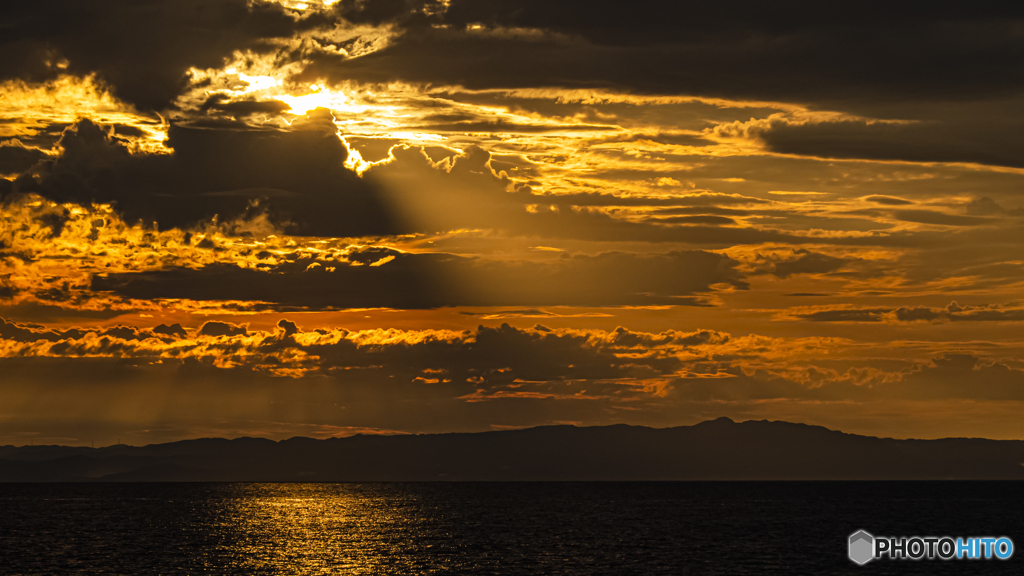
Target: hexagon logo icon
862	547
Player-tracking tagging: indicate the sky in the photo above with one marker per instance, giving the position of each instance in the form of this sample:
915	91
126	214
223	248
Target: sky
230	218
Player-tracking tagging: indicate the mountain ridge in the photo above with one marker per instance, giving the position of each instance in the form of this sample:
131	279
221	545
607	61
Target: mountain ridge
719	449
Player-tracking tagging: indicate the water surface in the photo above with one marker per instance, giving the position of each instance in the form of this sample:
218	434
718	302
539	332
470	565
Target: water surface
703	528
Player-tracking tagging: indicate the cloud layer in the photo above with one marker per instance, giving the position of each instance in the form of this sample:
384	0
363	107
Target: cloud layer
798	216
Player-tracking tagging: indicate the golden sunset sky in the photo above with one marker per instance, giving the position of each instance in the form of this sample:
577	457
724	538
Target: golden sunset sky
231	218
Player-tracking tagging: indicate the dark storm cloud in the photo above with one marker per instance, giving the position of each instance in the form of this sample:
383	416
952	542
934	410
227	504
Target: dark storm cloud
735	49
660	21
243	108
877	60
407	280
28	333
951	313
406	13
710	220
503	126
141	48
888	200
876	56
674	139
703	210
15	158
846	315
703	202
800	261
950	139
297	176
986	206
942	219
624	337
172	330
34	332
222	329
496	356
957	313
922	216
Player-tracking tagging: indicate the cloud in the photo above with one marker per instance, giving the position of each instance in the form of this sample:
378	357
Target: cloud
148	46
951	313
172	330
34	332
887	200
956	313
243	108
958	137
407	13
388	375
297	179
798	261
497	356
15	157
430	280
487	363
704	202
939	218
505	127
962	375
793	52
222	329
533	313
951	376
710	220
107	263
984	206
467	194
297	176
524	161
845	315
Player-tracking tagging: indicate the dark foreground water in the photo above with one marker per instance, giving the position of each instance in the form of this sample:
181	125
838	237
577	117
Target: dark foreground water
493	528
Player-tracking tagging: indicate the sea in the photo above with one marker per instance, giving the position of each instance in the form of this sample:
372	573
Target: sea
703	528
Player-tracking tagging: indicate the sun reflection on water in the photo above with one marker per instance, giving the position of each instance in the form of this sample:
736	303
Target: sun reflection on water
319	529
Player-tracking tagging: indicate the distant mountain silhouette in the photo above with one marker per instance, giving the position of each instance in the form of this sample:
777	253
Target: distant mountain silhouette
715	450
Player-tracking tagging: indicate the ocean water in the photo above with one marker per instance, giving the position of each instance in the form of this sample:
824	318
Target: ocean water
704	528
